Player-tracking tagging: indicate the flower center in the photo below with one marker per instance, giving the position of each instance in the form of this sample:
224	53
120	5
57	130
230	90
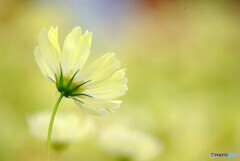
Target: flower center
69	88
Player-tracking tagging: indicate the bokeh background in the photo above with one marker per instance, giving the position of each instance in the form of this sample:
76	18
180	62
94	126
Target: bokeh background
183	65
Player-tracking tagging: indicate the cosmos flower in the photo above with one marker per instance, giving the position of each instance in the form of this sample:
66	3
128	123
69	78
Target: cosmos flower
129	144
95	88
68	127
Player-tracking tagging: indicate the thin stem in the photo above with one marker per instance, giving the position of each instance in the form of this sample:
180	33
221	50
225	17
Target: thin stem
51	125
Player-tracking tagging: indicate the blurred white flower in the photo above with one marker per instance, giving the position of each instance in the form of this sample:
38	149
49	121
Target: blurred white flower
125	142
68	128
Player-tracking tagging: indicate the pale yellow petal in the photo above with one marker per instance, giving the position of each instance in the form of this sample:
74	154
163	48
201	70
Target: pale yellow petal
97	107
100	70
112	88
44	67
53	37
76	50
48	50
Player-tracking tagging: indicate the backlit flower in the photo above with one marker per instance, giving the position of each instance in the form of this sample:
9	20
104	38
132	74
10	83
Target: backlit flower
95	88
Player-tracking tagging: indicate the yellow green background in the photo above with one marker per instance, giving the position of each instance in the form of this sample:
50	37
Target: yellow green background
183	66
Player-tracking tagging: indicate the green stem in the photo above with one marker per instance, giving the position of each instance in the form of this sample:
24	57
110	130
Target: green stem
51	125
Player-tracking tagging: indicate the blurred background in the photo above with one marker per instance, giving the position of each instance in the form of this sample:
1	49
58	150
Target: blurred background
183	65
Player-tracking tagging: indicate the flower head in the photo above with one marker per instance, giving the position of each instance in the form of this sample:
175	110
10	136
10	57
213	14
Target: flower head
95	88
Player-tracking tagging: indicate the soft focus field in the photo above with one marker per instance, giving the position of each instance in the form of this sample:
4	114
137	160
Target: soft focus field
183	67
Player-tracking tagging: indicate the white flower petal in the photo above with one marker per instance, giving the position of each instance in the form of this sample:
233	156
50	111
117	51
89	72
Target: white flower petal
100	70
48	49
112	88
76	50
45	69
141	146
53	37
97	107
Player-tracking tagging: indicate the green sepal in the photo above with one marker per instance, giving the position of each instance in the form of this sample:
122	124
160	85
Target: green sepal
51	79
78	100
71	80
75	88
66	89
61	78
81	94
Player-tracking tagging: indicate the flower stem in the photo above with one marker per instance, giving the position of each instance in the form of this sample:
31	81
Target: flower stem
51	125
